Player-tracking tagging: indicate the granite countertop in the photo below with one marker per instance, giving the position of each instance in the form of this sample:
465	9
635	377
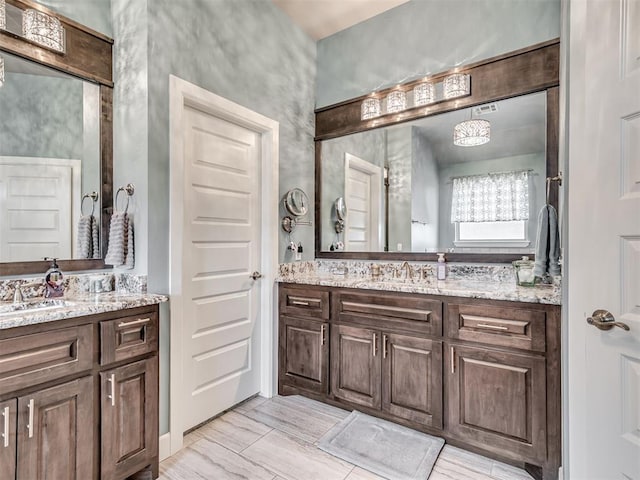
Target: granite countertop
78	305
472	288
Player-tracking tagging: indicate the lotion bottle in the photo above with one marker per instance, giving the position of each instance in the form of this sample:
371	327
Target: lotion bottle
441	268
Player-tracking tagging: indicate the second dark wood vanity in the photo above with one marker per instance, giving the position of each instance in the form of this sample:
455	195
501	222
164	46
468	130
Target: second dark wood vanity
483	374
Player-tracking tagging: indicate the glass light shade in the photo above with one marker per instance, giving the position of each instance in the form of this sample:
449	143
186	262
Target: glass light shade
43	29
370	108
456	85
1	71
396	101
472	133
424	94
3	15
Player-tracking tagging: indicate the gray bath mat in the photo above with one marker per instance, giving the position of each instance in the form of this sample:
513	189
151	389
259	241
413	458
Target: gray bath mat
384	448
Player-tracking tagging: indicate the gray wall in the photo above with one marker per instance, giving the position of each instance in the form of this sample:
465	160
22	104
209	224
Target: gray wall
424	37
425	196
95	14
399	159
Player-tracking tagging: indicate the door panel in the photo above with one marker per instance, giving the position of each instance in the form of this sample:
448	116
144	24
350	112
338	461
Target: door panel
412	378
221	247
129	439
56	432
497	400
8	418
355	365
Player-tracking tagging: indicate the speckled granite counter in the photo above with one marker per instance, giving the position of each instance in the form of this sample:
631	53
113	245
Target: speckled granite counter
488	282
79	305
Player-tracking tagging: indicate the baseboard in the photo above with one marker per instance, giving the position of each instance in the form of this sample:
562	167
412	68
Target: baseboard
164	446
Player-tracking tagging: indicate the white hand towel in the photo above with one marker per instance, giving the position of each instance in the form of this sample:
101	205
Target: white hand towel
94	237
116	249
129	260
85	241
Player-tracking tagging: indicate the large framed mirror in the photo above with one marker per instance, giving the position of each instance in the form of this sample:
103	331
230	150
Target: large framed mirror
410	192
55	146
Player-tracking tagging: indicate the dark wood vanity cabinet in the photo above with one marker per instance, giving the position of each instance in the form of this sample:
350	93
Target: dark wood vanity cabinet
483	374
64	413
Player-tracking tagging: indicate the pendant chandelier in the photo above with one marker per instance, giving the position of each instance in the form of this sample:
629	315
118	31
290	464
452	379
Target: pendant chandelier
472	133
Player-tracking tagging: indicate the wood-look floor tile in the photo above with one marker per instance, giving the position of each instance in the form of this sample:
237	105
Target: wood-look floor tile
295	459
207	460
446	470
308	404
467	459
234	431
250	404
502	471
295	419
362	474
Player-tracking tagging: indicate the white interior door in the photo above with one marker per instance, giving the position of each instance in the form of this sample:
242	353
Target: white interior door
221	248
36	207
604	239
363	195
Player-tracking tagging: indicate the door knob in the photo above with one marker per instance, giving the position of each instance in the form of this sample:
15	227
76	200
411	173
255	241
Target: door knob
604	320
256	275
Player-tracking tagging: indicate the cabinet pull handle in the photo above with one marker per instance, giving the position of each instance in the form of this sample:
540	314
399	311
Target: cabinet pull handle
112	389
385	339
374	344
322	334
5	430
134	322
453	361
299	303
30	424
492	327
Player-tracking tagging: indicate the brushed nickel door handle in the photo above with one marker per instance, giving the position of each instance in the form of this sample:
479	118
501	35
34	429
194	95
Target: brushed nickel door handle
322	327
374	344
256	275
30	407
112	389
385	341
604	320
5	430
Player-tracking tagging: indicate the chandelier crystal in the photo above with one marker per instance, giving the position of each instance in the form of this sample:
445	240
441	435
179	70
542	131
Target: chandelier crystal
424	94
370	108
396	101
43	29
3	15
456	85
471	133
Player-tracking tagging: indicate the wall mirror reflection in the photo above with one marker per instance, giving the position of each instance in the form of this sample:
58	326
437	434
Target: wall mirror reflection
49	160
408	188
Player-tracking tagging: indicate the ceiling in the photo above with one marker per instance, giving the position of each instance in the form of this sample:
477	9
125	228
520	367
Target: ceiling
322	18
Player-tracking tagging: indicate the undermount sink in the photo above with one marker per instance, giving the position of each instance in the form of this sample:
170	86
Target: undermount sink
33	306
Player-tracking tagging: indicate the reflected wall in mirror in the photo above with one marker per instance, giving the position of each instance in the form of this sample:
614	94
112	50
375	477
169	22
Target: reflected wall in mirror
397	183
49	158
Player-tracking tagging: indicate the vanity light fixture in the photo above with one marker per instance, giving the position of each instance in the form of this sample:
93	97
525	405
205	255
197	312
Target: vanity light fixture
471	133
3	15
370	108
396	101
43	29
456	85
424	94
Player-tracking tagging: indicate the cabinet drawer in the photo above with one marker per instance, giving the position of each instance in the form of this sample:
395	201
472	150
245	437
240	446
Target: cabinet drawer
128	337
497	325
404	312
32	359
305	302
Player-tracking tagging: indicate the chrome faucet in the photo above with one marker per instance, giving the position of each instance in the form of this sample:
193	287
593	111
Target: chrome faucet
407	270
18	294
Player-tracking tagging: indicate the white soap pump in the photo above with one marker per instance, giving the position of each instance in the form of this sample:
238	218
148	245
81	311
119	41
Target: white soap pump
441	268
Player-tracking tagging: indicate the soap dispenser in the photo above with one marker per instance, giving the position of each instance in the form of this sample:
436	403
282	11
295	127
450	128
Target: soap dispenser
54	282
441	268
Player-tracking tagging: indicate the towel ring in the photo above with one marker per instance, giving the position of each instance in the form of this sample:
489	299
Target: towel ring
129	189
557	178
94	197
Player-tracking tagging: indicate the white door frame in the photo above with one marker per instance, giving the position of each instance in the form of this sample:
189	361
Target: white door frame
184	94
375	172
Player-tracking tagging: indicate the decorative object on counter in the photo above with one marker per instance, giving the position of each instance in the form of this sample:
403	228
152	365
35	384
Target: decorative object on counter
456	85
43	29
53	278
441	269
120	250
299	252
525	276
88	243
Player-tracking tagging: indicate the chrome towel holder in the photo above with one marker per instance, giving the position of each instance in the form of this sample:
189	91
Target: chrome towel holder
94	197
130	190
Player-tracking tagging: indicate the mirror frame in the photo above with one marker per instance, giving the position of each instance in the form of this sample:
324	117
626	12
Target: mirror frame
88	56
528	70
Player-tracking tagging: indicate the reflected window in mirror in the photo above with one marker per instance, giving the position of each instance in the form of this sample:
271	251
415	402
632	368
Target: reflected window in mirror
49	159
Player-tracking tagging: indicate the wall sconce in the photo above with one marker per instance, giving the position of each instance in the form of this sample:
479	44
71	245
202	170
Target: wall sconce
396	101
424	94
456	85
3	15
43	29
370	108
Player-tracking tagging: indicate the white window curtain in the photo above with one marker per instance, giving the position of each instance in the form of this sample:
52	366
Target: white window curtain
494	197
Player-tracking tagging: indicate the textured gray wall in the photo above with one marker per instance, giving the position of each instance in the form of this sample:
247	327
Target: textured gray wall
95	14
423	37
425	196
399	159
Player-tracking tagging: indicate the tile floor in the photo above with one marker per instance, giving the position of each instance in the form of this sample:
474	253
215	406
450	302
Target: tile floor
275	439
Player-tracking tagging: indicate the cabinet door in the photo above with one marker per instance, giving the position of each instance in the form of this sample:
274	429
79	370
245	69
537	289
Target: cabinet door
412	378
497	401
129	399
355	365
8	415
56	432
304	354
